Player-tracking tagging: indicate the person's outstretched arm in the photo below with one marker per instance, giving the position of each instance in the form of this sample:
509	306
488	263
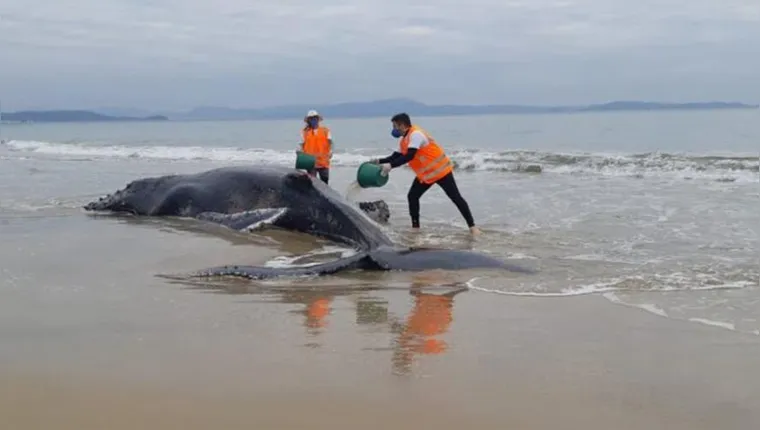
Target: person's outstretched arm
388	158
402	159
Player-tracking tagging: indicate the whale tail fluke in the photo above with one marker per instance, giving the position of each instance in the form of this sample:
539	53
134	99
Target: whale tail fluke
357	261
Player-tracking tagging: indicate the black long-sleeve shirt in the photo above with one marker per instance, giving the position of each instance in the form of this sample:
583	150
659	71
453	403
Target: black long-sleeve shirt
398	159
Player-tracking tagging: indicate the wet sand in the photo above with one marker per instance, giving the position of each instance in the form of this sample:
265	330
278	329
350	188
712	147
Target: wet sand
530	363
91	339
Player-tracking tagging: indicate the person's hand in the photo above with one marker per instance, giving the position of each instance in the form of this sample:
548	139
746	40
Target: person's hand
386	167
374	161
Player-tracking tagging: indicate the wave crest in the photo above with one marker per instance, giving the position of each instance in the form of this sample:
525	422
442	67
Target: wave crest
653	164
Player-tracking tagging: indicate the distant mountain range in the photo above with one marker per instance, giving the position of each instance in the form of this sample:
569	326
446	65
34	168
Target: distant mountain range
71	116
377	108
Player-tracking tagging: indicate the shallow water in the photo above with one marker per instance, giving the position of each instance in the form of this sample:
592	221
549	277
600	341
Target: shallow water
655	210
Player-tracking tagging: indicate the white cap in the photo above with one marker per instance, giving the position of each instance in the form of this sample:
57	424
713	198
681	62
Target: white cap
312	113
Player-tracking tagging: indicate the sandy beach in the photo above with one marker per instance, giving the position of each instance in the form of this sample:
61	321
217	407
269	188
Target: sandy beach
566	363
136	351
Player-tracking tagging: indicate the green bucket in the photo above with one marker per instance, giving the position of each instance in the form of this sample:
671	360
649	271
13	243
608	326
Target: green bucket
370	175
305	161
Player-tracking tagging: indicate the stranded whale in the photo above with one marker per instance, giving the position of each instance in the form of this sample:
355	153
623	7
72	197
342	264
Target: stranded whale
247	197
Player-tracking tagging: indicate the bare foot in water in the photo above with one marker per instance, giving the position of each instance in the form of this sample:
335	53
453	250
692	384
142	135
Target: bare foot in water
475	231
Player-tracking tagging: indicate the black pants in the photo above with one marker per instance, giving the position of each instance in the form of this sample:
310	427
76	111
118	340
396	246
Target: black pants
449	186
323	172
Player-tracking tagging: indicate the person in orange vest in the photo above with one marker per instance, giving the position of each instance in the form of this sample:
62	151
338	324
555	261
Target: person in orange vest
430	164
316	140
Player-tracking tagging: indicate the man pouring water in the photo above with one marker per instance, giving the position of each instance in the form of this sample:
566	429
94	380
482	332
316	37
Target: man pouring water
430	164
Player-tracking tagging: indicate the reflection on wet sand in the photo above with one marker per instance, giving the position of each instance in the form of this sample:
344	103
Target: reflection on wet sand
420	332
427	322
315	311
371	311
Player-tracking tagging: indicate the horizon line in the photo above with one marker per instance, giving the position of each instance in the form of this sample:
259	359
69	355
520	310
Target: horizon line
161	111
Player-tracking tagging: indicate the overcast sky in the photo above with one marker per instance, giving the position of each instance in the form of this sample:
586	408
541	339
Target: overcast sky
178	54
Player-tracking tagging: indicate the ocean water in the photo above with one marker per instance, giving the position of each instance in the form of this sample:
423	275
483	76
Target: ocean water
659	211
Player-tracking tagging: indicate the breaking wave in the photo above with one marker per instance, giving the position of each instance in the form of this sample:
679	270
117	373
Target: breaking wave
736	168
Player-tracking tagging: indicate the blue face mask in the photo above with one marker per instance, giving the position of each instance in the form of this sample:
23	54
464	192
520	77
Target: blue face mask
313	122
396	133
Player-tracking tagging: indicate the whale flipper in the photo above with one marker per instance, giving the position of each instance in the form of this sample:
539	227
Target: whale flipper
356	261
246	220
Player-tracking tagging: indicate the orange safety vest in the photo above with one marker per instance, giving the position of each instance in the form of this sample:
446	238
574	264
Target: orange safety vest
315	143
430	163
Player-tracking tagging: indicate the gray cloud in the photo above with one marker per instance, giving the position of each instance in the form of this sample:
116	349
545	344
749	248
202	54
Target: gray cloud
175	54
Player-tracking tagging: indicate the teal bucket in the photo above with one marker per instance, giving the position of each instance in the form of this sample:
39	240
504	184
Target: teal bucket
305	161
370	175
